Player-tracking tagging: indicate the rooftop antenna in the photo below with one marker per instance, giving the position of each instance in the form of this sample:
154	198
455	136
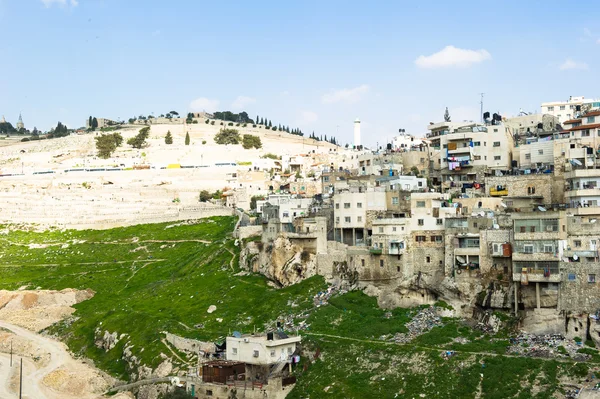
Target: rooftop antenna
481	104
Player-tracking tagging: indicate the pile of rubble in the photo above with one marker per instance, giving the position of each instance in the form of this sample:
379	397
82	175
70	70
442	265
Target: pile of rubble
421	323
546	346
322	297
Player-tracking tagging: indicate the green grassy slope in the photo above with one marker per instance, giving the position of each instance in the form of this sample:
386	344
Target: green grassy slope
143	288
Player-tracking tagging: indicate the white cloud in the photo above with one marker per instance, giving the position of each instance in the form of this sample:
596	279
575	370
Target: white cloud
569	64
309	117
62	3
345	95
204	104
242	102
451	56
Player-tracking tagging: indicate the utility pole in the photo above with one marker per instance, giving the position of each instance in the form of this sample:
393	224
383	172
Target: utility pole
21	381
481	104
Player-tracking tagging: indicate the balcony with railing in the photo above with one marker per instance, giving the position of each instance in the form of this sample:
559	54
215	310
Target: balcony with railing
536	272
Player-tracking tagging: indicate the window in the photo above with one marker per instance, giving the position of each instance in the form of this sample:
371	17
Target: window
591	119
496	144
497	157
359	218
475	224
477	144
428	259
572	277
421	238
527	156
346	205
550	109
445	146
568	116
420	222
347	219
395	201
548	248
255	354
585	133
359	204
286	214
380	262
420	204
477	157
420	184
209	392
272	352
591	278
439	222
562	107
541	152
393	228
436	238
530	190
381	229
234	351
337	219
337	205
528	248
362	262
577	243
289	350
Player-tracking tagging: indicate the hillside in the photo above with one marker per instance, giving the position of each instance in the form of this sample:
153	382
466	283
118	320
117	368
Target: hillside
80	151
150	279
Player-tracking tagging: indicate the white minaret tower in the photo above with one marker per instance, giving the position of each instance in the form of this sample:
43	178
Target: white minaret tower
356	133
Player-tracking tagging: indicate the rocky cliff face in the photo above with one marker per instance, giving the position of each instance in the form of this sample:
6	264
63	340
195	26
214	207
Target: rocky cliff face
280	261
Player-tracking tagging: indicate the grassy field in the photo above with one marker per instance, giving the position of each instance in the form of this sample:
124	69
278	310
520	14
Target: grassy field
148	279
163	277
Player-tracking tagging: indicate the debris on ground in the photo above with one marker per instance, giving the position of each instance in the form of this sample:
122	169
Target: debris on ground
546	346
322	297
421	323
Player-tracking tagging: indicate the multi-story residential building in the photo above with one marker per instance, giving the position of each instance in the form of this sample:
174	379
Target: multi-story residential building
539	242
580	291
288	207
350	213
565	110
583	189
586	127
469	151
404	183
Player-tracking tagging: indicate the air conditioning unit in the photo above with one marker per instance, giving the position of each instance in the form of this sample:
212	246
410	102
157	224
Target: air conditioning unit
246	340
255	354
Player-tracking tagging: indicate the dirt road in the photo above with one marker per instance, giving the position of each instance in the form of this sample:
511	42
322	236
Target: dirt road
34	373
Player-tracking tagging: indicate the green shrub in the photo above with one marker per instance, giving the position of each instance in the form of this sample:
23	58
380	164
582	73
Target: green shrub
250	141
227	136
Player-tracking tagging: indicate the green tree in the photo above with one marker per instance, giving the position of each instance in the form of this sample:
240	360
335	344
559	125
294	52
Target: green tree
139	140
270	124
90	123
250	141
447	116
106	144
205	196
168	138
187	138
262	121
256	119
227	136
94	123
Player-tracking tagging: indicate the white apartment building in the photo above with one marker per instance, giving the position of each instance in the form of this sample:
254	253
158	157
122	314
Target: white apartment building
404	183
391	235
468	145
429	210
289	207
261	350
350	213
405	142
565	110
583	188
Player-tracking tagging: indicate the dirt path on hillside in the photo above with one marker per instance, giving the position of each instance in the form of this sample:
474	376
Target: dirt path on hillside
55	369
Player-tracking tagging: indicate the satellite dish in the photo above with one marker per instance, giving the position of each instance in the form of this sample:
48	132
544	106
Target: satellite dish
482	214
593	221
576	162
541	208
237	334
503	205
461	259
450	177
575	257
175	380
496	226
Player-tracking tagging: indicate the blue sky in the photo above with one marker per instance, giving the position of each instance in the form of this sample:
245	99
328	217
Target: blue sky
313	64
